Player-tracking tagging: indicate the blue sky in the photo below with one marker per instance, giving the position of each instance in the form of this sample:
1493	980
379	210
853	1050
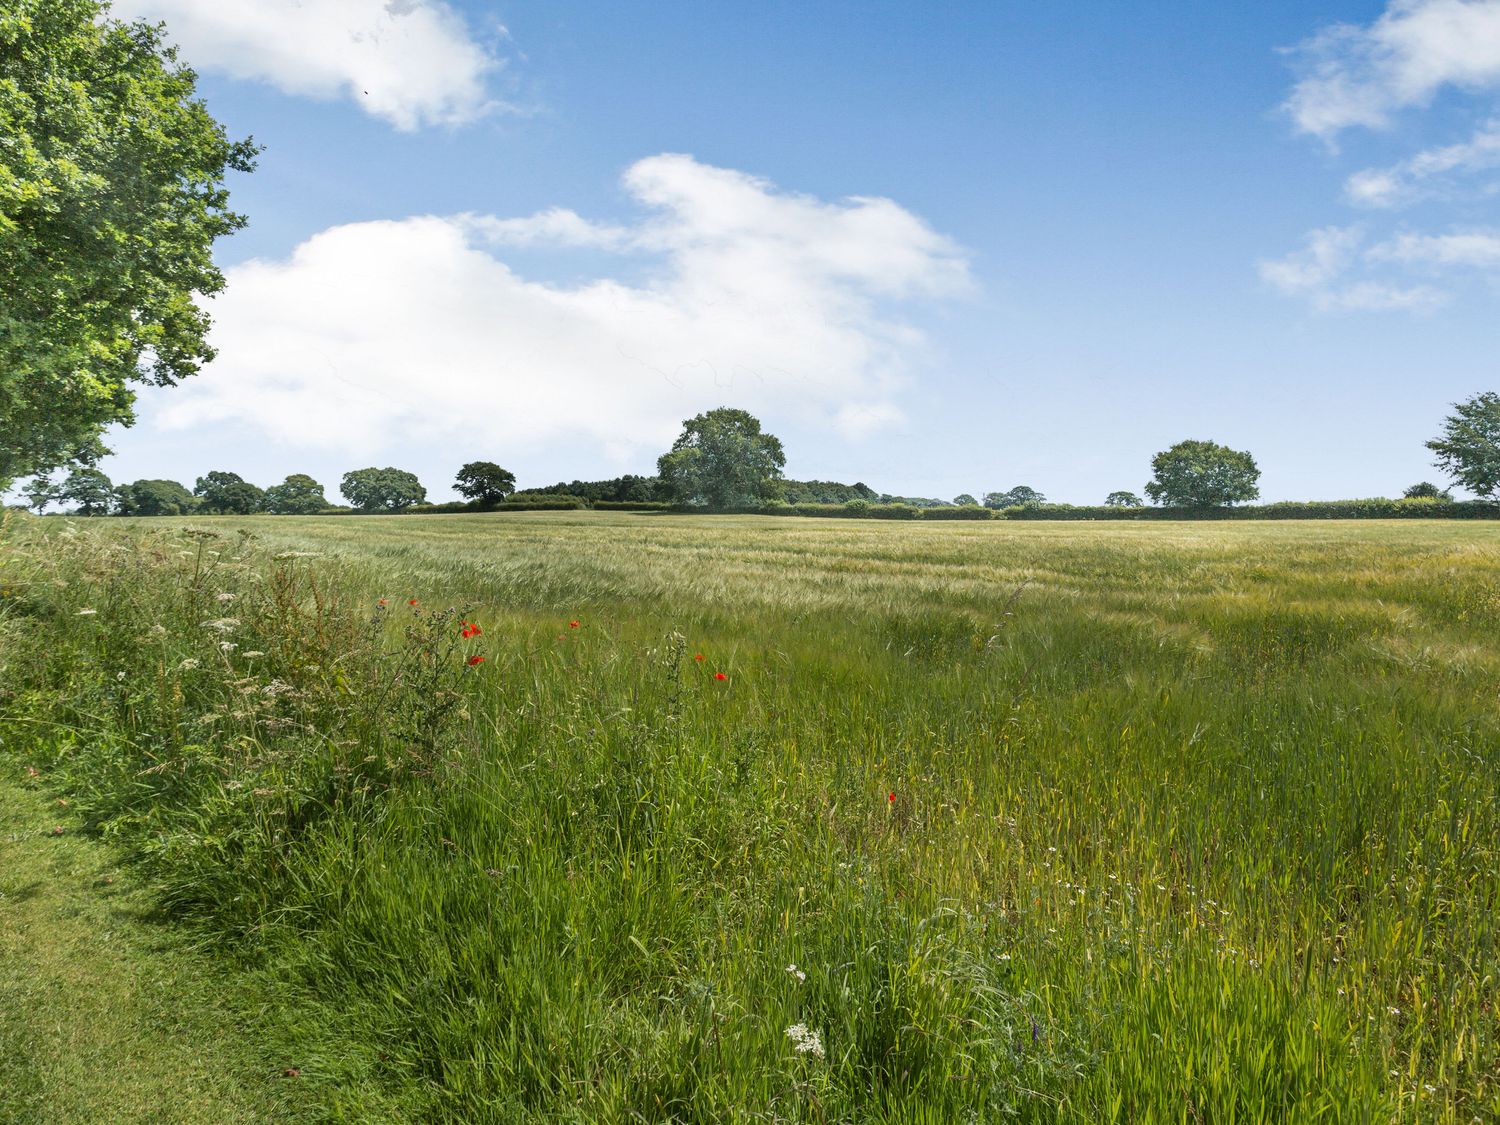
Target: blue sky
937	248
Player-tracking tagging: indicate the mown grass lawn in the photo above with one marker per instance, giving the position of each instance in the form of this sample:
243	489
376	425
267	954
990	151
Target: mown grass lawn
1178	822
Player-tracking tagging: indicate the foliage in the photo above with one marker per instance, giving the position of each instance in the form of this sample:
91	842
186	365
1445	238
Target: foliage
627	488
90	490
376	490
1123	500
485	482
1022	496
111	196
722	460
964	500
154	498
228	494
1067	824
40	491
824	492
1426	490
1468	449
1202	474
298	495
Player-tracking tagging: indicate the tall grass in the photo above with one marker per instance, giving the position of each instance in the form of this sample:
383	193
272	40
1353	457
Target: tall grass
1187	823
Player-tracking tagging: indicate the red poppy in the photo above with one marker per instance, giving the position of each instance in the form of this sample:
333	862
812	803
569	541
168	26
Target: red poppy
720	676
890	798
572	624
473	660
412	602
698	656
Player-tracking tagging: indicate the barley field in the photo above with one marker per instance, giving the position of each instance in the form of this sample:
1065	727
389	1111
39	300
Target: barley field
586	817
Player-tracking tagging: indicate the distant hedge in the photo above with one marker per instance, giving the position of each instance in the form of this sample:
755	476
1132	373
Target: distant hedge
1378	508
630	506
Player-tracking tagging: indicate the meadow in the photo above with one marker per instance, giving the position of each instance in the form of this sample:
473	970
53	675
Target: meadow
745	819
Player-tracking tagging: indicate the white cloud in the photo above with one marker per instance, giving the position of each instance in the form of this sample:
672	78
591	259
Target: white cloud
1468	249
1359	76
1319	272
1426	174
380	335
410	62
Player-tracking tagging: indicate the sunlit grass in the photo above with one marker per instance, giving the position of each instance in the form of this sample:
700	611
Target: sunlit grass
1187	822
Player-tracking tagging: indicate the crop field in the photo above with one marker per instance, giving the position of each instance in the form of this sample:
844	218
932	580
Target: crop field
745	819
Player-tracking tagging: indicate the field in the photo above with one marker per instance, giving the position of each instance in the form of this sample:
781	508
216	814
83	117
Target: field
754	819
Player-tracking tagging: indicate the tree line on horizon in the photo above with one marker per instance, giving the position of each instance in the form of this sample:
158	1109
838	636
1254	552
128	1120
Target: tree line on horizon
724	461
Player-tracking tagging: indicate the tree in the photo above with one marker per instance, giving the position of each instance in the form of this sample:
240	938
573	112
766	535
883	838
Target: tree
1022	496
40	491
90	489
1201	474
111	196
1468	449
298	495
485	482
1122	500
1428	491
154	498
964	500
228	494
382	490
722	460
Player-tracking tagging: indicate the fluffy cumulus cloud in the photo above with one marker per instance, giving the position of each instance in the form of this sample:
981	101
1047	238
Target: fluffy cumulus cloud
411	62
1360	76
725	290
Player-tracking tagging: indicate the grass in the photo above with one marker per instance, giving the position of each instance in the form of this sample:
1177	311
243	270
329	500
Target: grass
105	1015
1168	822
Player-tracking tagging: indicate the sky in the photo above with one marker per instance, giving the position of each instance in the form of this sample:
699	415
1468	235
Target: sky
935	248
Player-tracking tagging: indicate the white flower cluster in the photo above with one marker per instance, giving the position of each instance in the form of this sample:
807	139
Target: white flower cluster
804	1041
793	971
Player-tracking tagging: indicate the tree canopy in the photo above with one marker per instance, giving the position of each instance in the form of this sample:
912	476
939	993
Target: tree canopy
111	196
1122	500
1468	449
485	482
154	498
90	489
382	490
1022	496
228	494
298	495
722	459
1202	474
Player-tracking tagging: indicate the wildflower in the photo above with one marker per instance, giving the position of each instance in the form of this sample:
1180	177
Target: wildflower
698	656
890	798
1005	956
253	653
227	646
87	612
793	971
473	660
805	1042
57	830
413	601
572	624
187	665
720	676
225	597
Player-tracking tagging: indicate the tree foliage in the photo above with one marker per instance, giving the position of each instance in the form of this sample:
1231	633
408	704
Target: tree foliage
298	495
1426	490
90	490
154	498
1202	474
1468	449
1022	496
1123	500
722	459
111	196
382	490
228	494
964	500
485	482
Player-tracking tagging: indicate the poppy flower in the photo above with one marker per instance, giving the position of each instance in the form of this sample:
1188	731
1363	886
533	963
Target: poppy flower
572	624
473	660
698	656
890	798
412	602
720	676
